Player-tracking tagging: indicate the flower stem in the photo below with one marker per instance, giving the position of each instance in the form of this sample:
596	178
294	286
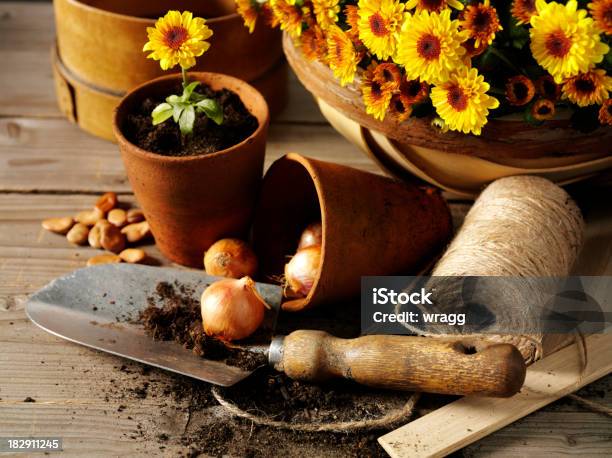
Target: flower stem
184	73
503	58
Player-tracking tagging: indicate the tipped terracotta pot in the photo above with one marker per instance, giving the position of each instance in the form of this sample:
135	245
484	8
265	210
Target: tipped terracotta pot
190	202
372	225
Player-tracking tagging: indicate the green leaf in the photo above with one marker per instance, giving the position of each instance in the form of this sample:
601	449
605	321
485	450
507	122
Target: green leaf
177	110
187	91
211	109
186	120
173	99
161	112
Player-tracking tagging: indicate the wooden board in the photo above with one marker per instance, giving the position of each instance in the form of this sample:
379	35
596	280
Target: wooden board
464	421
50	168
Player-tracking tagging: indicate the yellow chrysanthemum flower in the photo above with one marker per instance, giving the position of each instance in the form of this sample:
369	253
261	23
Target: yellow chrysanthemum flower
326	12
341	55
288	15
177	39
379	20
462	102
590	88
376	96
429	46
564	40
601	10
247	9
433	6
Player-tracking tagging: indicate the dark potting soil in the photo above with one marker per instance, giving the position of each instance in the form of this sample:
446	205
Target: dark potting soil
207	136
179	319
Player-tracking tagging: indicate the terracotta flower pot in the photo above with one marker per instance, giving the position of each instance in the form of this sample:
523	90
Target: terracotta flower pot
190	202
372	225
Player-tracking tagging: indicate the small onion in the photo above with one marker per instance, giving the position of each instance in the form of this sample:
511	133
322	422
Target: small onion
230	258
232	309
312	235
301	271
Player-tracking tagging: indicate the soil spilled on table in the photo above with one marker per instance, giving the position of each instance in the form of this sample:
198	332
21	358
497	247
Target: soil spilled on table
173	313
179	319
207	136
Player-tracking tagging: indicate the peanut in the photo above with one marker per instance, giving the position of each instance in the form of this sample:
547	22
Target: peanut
135	215
94	234
136	232
111	238
106	258
78	234
90	217
58	225
132	255
117	217
107	202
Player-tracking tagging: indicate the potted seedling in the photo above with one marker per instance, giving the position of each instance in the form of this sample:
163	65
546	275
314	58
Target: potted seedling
193	144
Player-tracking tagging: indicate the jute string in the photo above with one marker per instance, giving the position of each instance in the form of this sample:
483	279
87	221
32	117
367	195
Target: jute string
387	421
520	226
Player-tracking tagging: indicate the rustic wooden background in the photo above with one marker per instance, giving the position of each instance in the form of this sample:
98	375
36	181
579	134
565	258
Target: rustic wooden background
50	168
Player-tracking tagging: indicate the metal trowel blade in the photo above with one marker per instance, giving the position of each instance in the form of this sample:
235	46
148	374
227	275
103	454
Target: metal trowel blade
97	307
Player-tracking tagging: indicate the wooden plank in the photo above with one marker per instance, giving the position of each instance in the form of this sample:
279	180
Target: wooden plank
53	155
470	418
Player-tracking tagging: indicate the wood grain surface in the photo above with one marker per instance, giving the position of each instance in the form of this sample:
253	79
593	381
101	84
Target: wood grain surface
50	168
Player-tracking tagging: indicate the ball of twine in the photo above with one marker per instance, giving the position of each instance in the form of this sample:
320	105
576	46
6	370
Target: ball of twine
521	226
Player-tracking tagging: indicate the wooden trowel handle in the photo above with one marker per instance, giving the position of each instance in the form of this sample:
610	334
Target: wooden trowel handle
407	363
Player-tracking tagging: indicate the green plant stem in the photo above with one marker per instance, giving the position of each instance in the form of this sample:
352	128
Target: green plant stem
184	73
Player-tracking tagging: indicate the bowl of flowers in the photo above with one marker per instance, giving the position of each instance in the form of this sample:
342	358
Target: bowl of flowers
459	93
193	144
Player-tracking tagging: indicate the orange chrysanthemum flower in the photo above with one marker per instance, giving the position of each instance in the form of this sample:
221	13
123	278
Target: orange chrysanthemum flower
268	16
399	108
522	10
588	88
376	98
379	22
547	88
601	10
352	19
313	43
341	55
519	90
289	16
414	91
605	113
389	75
326	12
471	48
248	10
481	21
542	110
433	6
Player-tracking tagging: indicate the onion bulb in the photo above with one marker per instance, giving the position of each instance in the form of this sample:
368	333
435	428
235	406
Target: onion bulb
312	235
232	309
230	258
301	271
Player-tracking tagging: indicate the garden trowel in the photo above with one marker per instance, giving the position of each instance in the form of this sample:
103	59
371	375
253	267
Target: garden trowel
98	307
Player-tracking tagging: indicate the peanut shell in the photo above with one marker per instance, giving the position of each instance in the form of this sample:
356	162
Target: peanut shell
133	255
135	215
136	232
107	202
106	258
78	234
58	225
117	217
89	217
111	238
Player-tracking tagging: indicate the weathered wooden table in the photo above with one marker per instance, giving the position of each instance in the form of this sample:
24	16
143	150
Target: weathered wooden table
48	167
